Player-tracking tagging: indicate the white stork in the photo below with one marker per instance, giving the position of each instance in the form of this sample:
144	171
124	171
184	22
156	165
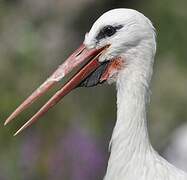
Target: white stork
120	48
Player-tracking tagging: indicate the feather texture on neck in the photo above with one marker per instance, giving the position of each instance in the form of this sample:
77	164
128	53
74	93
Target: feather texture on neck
132	156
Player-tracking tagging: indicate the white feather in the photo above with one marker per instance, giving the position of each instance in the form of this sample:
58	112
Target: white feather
132	156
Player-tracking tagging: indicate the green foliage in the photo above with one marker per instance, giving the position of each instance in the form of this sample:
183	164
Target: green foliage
36	35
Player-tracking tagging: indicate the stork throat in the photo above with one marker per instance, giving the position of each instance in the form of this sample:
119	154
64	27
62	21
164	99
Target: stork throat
95	77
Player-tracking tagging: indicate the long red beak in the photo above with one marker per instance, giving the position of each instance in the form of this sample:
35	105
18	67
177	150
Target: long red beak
81	55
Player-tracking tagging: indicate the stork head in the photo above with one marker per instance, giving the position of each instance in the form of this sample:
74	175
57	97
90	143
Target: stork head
129	34
111	47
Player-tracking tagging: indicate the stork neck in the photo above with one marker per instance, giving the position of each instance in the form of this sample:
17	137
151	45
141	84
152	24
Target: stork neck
131	122
130	142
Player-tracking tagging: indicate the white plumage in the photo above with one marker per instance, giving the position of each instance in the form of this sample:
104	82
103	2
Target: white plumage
177	147
120	48
132	156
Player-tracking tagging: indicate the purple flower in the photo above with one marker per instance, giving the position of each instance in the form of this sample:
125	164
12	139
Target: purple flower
77	157
29	154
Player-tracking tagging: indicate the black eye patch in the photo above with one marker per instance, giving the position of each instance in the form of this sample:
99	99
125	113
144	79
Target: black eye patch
108	31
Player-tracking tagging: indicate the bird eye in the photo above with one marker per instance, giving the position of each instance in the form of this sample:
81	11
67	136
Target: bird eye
109	30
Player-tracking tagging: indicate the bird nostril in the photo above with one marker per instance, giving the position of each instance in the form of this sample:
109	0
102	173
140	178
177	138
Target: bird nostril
79	53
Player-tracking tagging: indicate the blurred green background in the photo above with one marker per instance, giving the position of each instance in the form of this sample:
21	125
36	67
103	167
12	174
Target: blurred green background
71	141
